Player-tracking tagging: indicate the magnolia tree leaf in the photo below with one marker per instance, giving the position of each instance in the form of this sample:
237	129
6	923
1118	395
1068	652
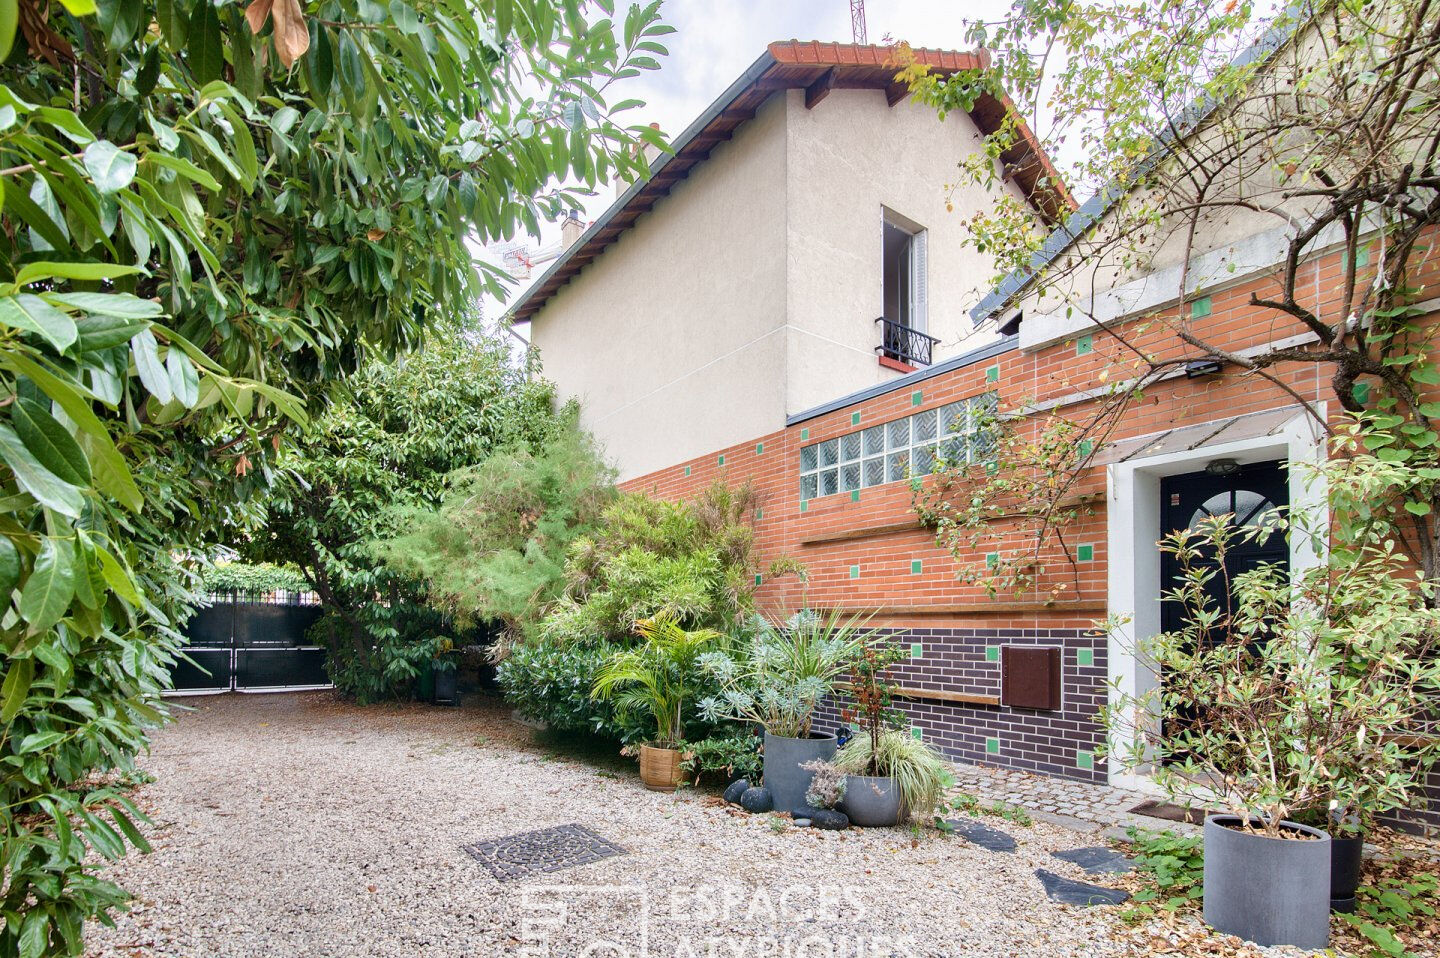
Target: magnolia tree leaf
51	586
50	443
110	167
147	364
30	312
47	488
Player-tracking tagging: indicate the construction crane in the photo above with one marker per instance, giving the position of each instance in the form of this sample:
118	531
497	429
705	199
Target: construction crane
857	21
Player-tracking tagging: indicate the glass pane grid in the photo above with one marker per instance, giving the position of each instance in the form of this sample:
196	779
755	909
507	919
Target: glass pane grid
900	449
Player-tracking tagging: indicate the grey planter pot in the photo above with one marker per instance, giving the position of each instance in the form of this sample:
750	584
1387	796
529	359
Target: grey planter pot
786	780
1272	891
872	800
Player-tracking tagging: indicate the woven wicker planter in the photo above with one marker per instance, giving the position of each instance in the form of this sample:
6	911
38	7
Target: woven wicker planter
660	768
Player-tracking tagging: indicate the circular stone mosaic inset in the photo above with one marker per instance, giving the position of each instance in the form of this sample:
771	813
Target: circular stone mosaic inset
546	850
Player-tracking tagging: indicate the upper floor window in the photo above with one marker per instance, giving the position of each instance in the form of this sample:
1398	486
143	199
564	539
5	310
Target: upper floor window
904	336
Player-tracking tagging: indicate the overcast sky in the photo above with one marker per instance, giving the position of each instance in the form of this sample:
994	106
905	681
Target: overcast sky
715	41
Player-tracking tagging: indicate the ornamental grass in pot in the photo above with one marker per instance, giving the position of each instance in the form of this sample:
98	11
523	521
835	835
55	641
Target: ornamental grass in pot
777	680
657	678
891	776
1292	697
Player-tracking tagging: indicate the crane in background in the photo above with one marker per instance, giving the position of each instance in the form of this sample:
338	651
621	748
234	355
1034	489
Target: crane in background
857	21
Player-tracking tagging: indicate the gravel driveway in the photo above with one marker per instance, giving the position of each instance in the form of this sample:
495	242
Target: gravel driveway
298	825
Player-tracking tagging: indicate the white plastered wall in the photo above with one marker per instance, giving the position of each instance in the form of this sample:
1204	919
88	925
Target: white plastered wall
851	158
673	339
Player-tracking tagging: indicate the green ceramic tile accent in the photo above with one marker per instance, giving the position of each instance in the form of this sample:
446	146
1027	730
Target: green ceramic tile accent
854	495
854	572
917	650
804	505
1085	553
804	434
992	559
916	398
1362	256
1086	447
759	514
1361	392
1085	657
759	449
992	653
992	746
758	579
720	461
916	734
916	566
992	374
854	419
1084	759
687	470
1201	307
1084	345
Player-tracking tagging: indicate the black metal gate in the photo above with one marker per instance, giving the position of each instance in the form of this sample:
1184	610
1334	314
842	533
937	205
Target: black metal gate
252	644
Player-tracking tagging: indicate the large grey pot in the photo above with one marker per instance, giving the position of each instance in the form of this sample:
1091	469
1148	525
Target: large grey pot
787	781
871	800
1272	891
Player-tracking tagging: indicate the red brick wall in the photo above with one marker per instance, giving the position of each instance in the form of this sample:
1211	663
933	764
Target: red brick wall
957	619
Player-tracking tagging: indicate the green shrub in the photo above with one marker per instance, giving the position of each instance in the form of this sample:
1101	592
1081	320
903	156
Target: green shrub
734	754
253	577
551	683
692	561
494	550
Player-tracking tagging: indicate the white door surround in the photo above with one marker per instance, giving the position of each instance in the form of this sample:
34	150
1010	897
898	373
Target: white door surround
1133	520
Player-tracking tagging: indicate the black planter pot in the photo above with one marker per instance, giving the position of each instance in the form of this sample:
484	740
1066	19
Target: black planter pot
1272	891
1345	856
447	687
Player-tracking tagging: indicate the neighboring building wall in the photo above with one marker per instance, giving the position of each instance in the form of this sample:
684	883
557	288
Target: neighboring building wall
673	341
848	159
866	551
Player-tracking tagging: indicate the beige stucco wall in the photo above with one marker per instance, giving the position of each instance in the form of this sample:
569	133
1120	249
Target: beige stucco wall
673	339
850	157
750	292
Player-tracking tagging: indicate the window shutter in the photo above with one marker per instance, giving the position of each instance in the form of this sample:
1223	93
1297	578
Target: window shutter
919	282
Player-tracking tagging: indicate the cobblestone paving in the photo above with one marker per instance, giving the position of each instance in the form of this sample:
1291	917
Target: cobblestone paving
1078	805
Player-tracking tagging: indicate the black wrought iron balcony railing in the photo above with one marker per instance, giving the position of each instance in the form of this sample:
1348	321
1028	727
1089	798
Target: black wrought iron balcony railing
904	343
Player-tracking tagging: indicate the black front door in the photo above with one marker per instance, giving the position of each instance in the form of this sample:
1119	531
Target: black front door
1247	495
1186	500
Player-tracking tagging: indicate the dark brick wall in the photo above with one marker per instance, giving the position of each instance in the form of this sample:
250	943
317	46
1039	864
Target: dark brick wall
1423	819
1061	742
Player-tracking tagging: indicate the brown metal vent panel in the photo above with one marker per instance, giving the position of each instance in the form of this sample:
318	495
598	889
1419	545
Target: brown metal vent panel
1029	677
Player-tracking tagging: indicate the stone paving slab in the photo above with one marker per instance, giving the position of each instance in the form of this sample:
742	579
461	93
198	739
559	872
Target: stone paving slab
1097	860
1067	891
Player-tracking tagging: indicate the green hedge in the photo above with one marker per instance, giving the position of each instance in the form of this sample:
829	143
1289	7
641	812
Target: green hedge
253	577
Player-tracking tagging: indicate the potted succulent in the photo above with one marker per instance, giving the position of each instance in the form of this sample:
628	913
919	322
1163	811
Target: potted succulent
890	774
1294	700
777	681
659	679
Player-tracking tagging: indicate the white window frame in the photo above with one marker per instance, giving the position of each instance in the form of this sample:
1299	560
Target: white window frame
919	278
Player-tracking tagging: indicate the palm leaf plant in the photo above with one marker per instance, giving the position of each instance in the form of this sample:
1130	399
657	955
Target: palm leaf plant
658	678
779	678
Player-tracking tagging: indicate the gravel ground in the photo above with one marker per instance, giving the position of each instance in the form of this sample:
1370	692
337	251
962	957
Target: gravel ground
298	825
